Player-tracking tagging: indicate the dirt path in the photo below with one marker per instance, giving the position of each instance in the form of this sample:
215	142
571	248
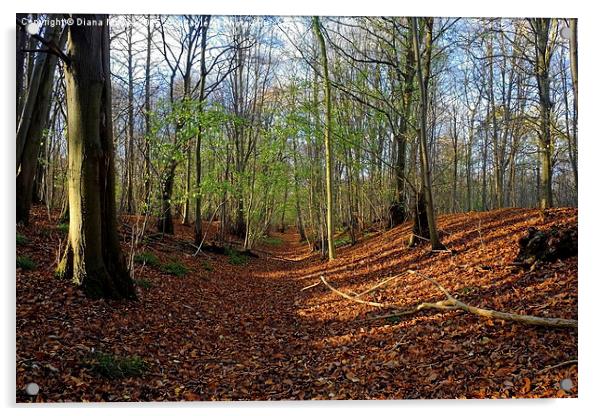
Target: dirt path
261	341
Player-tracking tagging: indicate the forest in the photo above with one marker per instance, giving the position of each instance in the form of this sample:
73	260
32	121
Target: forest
295	208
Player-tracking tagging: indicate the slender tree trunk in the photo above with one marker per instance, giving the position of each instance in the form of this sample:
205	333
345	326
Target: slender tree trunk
20	61
165	220
497	159
32	138
541	27
283	214
424	157
469	164
454	138
186	216
93	258
574	61
130	208
147	114
198	220
574	76
327	144
34	80
300	226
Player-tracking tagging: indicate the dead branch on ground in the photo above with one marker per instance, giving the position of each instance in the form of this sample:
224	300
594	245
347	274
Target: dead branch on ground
451	303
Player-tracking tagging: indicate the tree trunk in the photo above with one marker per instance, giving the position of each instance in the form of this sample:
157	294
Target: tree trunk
424	157
574	76
541	28
93	258
165	220
129	207
186	216
147	111
29	102
300	226
397	209
574	62
20	61
327	144
497	150
32	137
198	220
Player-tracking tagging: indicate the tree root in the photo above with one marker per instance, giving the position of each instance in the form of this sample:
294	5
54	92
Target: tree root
451	303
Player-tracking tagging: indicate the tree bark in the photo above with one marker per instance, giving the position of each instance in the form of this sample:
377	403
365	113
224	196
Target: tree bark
198	220
40	108
424	156
147	115
574	76
541	29
130	207
93	257
327	143
20	61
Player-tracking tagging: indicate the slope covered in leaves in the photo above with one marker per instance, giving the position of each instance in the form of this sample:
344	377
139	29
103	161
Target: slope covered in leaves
241	328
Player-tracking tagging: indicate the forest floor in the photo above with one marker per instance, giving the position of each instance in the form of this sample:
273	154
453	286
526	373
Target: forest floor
234	327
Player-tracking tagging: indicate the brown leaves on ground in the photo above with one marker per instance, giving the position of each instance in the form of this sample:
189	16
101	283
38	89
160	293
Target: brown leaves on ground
247	332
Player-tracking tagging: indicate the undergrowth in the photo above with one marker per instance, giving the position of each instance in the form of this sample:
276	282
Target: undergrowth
112	366
25	263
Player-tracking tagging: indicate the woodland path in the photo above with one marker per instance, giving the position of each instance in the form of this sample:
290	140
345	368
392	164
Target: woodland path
260	339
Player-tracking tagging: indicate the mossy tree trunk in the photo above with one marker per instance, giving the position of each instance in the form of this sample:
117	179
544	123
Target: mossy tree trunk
93	258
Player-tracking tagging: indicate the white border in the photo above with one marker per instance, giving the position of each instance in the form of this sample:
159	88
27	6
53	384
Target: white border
589	154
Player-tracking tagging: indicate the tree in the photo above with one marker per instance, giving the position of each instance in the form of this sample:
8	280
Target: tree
93	258
327	143
423	77
147	114
543	54
38	100
20	61
179	54
574	76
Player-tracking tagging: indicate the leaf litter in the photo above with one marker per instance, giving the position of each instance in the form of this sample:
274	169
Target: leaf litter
226	331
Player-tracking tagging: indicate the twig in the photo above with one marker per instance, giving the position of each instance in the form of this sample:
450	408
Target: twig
569	362
346	296
310	286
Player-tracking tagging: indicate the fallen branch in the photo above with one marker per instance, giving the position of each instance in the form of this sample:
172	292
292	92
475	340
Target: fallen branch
310	286
562	364
451	303
346	296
